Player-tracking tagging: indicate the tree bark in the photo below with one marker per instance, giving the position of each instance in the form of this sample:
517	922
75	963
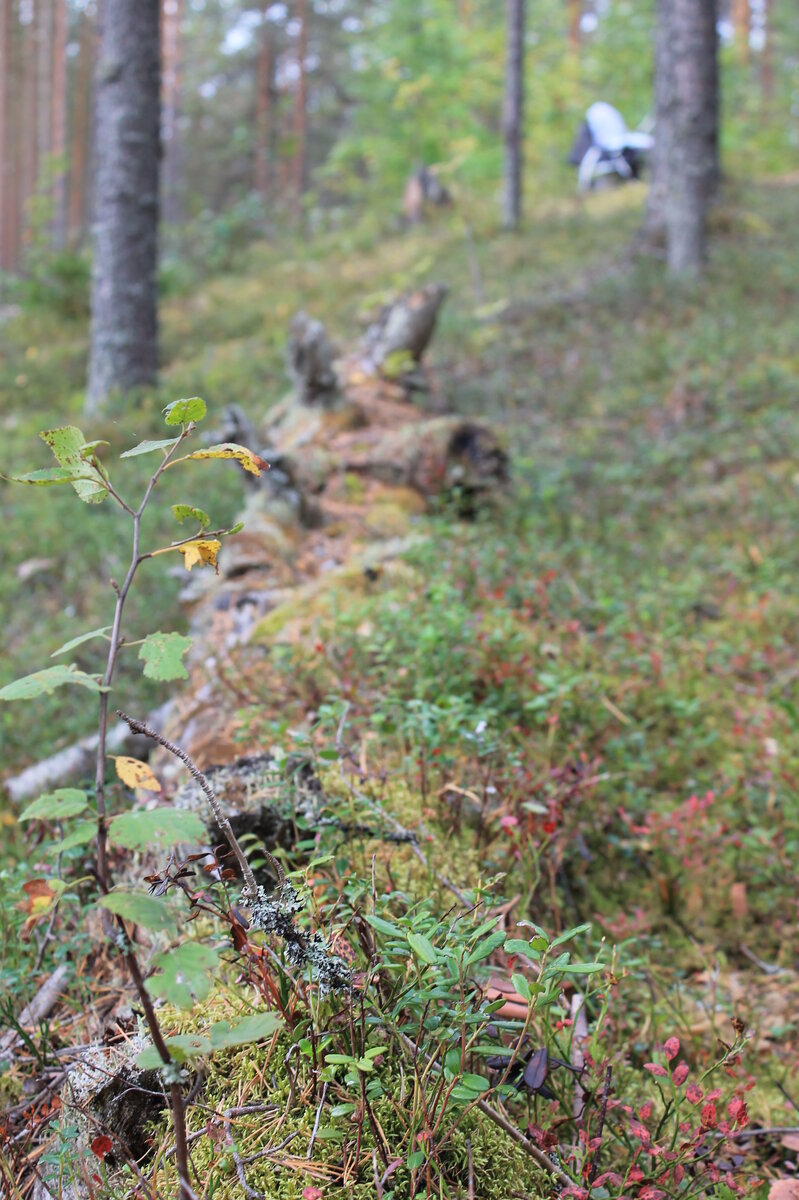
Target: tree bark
740	18
301	104
81	125
575	13
58	121
124	322
170	57
514	113
6	175
264	73
686	167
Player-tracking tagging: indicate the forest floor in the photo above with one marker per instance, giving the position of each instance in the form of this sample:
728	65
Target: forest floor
610	652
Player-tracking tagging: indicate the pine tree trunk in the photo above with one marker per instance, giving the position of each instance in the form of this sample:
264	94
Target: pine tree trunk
14	130
575	14
264	70
170	57
514	113
27	130
686	161
58	121
5	164
767	55
44	64
81	124
301	104
124	324
740	18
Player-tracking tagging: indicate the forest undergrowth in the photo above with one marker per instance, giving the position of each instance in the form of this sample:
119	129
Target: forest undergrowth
581	703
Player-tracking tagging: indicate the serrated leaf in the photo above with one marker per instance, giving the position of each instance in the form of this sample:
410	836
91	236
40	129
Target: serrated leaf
247	458
46	477
199	550
135	774
45	682
182	512
156	827
161	654
56	806
83	833
147	447
181	412
141	908
185	974
68	445
249	1029
182	1047
422	947
79	640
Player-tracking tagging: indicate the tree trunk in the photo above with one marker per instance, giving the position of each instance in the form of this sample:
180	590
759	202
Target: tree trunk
170	56
44	66
686	163
5	164
301	104
58	121
14	130
124	323
575	14
514	113
767	55
27	130
81	124
740	18
264	71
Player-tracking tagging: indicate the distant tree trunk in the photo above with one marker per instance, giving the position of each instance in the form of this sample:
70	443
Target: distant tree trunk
44	66
686	168
170	59
264	72
513	123
5	164
124	304
80	134
14	130
301	103
767	54
58	121
28	127
741	16
575	14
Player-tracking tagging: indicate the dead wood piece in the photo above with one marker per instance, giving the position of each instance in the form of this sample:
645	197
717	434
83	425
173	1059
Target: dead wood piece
107	1091
438	456
404	327
310	360
40	1006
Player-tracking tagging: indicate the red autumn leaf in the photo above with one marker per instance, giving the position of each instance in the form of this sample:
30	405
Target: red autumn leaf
102	1145
709	1116
737	1112
645	1111
311	1193
655	1068
671	1048
680	1074
694	1093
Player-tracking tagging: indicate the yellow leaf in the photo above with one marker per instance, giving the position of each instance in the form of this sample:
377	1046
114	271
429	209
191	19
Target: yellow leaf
136	774
247	458
204	550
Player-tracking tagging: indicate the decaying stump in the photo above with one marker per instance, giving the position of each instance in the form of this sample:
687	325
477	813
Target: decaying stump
422	188
310	359
403	329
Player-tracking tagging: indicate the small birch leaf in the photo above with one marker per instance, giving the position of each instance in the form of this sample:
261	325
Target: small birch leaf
55	806
185	974
182	512
68	445
44	682
247	458
181	412
147	447
79	640
161	654
135	774
156	827
140	908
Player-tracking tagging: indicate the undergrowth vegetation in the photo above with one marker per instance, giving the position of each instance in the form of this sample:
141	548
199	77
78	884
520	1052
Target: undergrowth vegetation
555	832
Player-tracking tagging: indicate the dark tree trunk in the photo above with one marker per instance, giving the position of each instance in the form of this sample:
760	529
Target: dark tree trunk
514	113
686	161
170	127
124	325
80	132
264	87
301	103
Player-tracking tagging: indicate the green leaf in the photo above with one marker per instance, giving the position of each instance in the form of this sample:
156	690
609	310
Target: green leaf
161	654
522	987
181	1047
68	445
416	1159
475	1083
486	946
584	968
149	911
44	682
147	447
182	512
83	833
517	946
55	806
79	640
569	934
249	1029
185	974
384	926
156	827
422	947
46	477
181	412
